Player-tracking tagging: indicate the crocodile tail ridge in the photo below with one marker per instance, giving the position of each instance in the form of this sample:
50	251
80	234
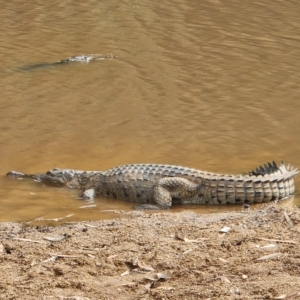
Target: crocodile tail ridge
270	170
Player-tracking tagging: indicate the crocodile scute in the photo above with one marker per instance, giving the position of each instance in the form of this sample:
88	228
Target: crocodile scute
164	185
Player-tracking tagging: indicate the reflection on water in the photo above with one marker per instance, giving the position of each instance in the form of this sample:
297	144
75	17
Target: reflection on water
211	85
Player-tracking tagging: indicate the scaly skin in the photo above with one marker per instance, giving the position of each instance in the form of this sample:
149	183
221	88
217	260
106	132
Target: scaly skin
166	184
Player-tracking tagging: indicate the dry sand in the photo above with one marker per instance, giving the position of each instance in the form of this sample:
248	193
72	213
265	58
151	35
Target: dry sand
156	256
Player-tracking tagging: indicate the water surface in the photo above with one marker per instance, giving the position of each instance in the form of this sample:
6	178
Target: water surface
212	85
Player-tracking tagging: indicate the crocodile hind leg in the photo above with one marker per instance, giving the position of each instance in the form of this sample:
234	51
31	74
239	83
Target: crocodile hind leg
169	188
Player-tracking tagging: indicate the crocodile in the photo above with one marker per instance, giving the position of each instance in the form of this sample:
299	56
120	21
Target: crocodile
78	58
164	185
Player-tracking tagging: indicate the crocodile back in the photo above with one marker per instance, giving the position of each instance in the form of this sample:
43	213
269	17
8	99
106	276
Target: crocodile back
135	182
151	172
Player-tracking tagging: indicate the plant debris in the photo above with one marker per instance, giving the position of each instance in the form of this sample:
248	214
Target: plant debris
56	238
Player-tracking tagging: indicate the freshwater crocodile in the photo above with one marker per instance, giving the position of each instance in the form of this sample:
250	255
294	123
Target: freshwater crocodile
164	185
79	58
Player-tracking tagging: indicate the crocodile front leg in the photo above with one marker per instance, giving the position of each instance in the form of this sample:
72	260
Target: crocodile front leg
89	194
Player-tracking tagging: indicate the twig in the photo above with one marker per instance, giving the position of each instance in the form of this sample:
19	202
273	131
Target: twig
288	219
63	255
28	240
190	250
270	256
88	206
278	241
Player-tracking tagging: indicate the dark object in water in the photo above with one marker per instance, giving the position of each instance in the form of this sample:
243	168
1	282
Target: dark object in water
79	58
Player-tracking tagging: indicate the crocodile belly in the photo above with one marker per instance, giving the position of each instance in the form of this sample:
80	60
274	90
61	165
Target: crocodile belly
135	191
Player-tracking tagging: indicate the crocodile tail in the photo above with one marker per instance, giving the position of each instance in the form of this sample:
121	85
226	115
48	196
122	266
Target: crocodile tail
271	182
265	183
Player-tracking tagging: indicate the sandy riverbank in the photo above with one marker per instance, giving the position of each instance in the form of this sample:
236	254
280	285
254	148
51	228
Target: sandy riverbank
156	256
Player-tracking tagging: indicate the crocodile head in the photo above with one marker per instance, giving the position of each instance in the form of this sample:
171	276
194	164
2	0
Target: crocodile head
56	176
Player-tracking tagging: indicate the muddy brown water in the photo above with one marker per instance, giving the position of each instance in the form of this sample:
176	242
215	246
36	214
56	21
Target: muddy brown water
207	84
